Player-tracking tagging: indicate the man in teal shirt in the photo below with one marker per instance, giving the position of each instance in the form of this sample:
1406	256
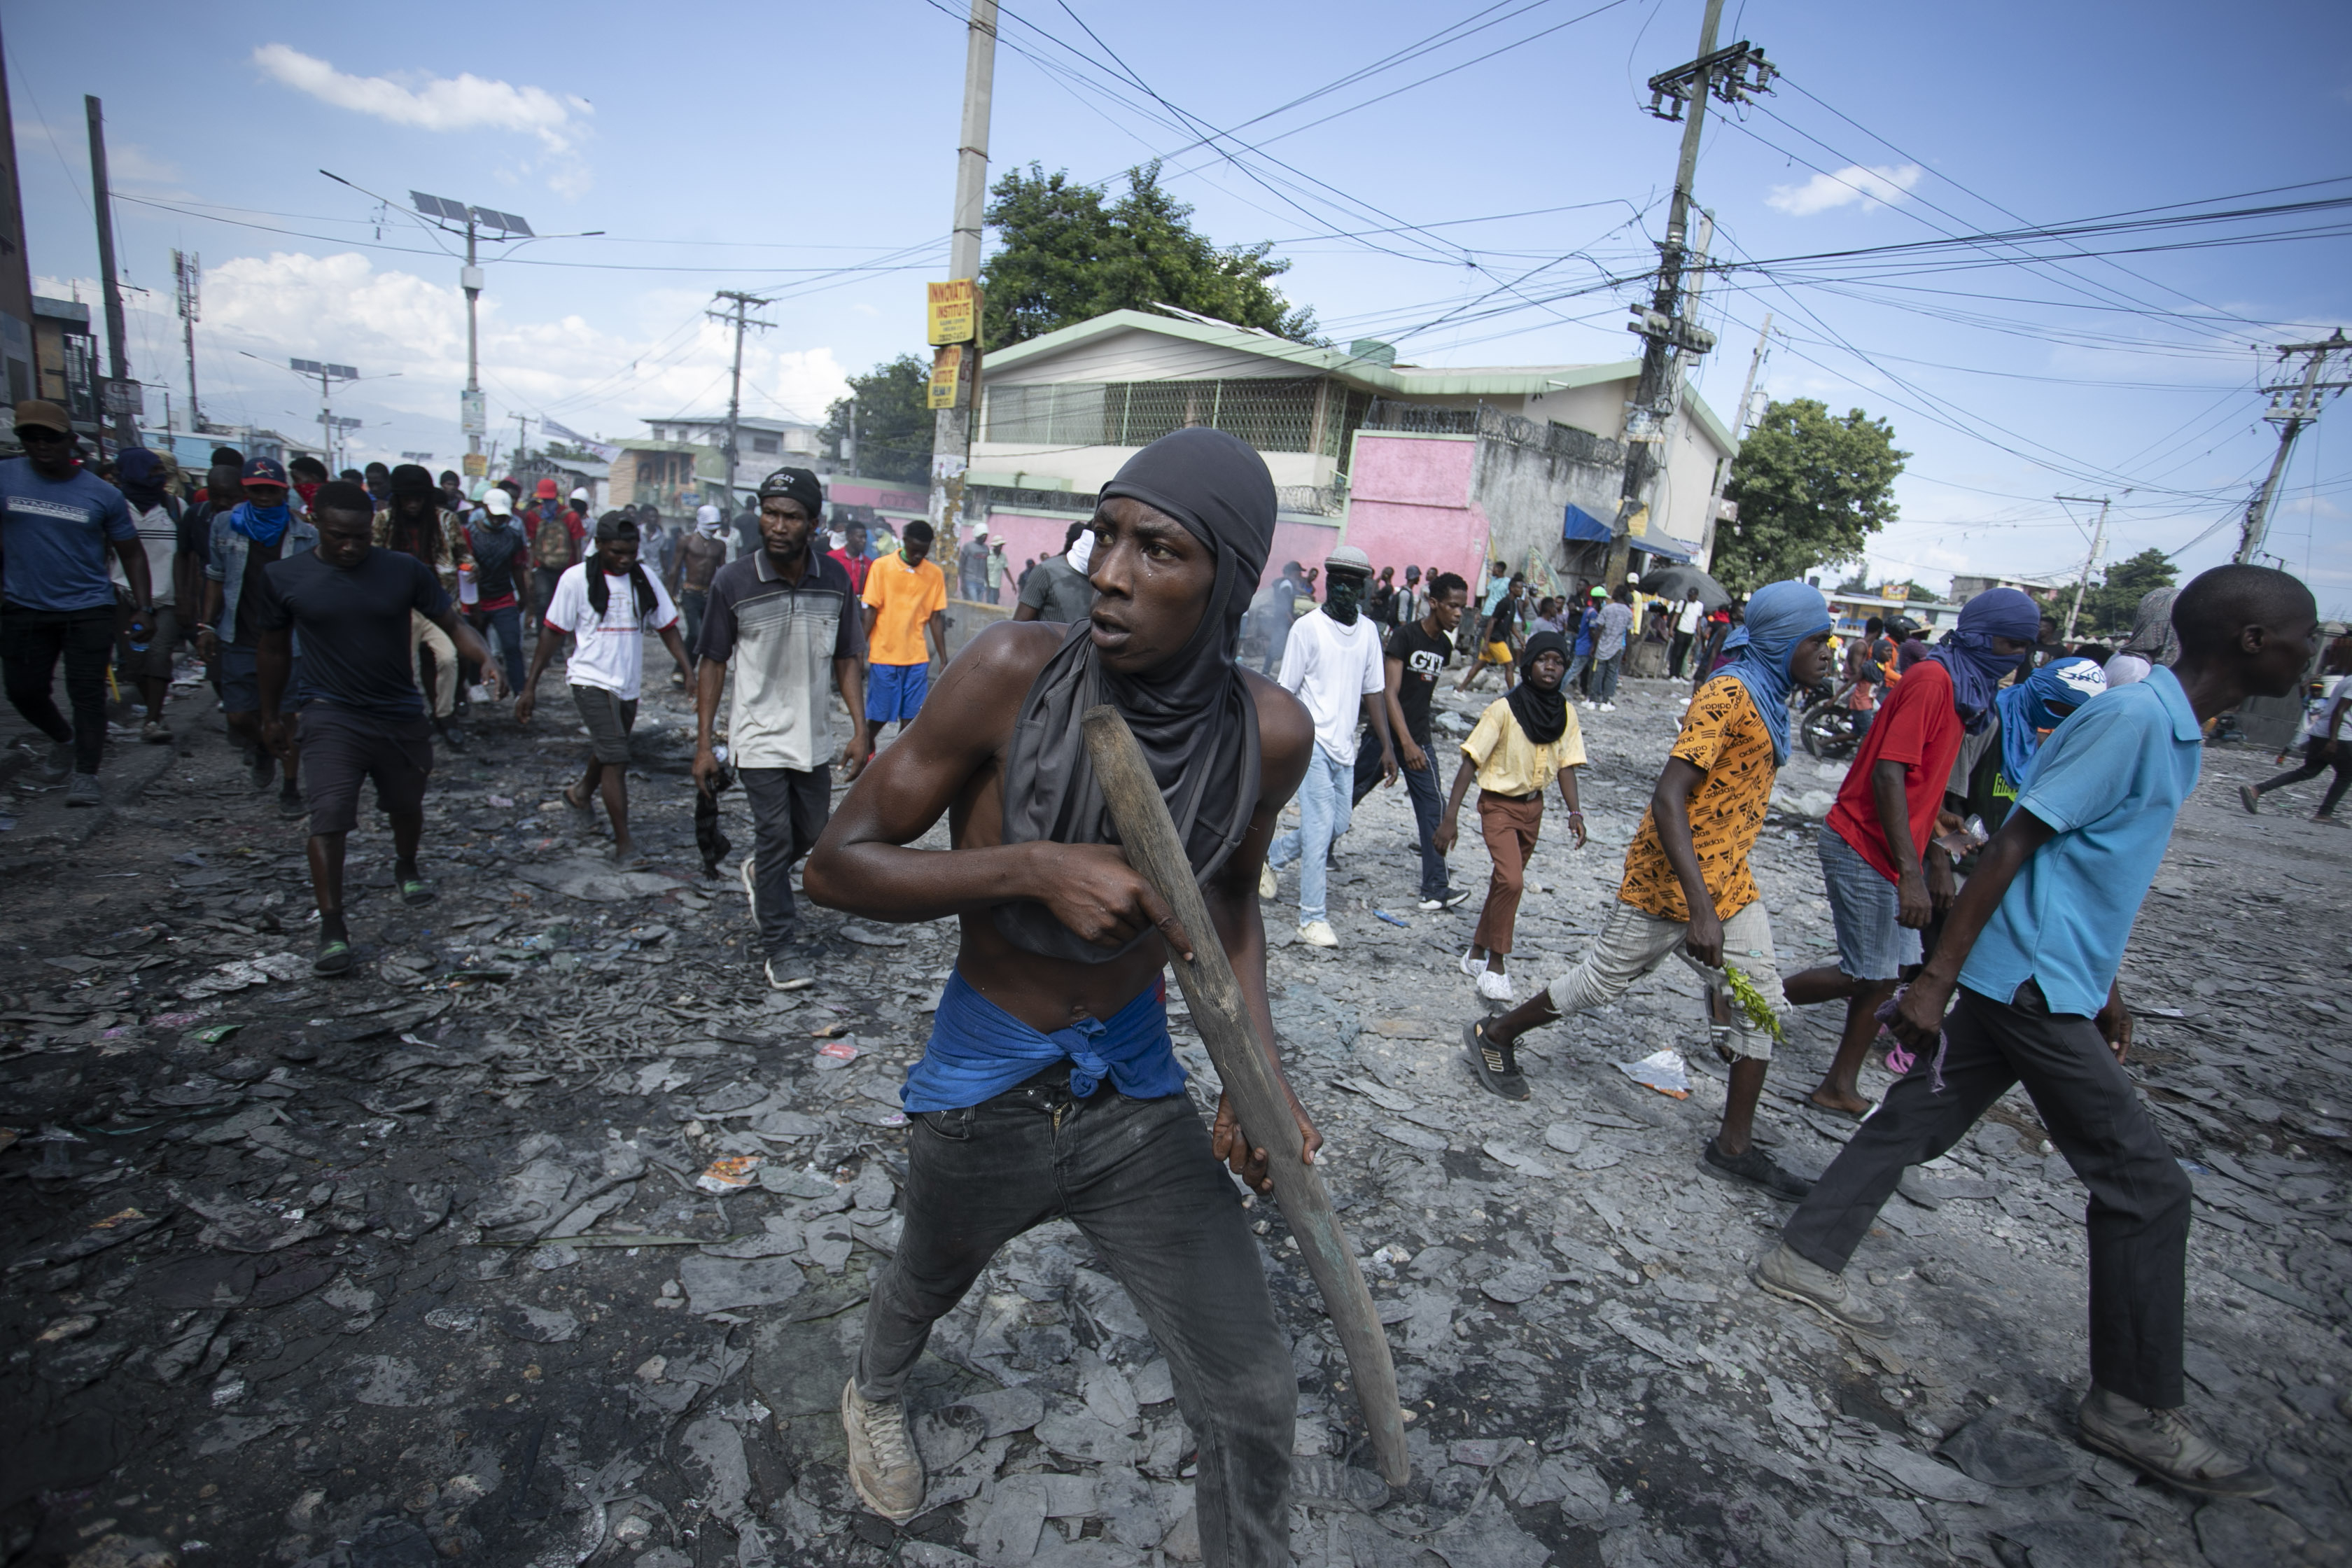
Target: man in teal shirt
2032	947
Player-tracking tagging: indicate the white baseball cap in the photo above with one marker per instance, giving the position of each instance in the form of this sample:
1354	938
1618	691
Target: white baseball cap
497	502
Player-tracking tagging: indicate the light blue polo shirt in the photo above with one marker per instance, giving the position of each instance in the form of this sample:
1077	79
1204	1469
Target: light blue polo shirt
2110	780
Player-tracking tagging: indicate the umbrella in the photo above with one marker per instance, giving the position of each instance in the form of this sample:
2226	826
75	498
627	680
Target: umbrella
1685	582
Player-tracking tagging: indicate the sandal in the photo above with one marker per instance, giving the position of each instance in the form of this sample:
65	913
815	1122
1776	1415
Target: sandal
574	801
416	890
333	957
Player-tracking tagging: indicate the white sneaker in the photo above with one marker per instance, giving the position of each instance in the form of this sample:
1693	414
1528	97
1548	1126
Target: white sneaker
1473	967
1589	703
1447	902
751	884
883	1464
1494	987
1609	708
1265	884
1318	934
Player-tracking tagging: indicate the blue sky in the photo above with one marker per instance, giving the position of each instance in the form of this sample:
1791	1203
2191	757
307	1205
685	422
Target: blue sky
808	152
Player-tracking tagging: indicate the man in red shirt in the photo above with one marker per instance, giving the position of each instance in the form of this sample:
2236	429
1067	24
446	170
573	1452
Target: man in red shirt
1885	876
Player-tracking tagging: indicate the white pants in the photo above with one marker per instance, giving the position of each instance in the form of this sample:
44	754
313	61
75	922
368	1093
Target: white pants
1634	942
422	632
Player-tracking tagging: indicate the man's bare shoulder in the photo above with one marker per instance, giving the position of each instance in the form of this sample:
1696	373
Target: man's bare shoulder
1008	652
1285	729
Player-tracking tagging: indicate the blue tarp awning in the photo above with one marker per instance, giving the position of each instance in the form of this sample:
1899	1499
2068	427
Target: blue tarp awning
1580	526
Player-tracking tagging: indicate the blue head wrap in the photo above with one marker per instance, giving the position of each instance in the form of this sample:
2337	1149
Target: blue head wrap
262	524
2025	710
1780	615
1966	651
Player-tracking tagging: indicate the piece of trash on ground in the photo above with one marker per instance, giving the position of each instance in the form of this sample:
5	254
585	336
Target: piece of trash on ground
731	1173
1393	919
1664	1071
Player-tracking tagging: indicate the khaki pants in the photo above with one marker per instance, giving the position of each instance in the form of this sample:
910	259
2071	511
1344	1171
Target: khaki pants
1509	826
423	634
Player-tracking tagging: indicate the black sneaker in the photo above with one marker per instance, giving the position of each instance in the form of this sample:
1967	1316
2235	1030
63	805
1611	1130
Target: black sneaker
265	767
1756	1168
1495	1065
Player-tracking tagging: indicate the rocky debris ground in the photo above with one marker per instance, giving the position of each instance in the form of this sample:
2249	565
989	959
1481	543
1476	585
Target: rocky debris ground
542	1238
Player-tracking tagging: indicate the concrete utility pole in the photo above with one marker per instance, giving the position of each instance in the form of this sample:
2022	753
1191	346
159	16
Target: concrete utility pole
19	376
2293	406
187	272
951	427
740	304
470	411
2098	549
118	368
1739	435
1728	74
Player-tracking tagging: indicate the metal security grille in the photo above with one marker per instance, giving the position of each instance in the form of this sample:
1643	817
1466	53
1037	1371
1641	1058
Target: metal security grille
1273	416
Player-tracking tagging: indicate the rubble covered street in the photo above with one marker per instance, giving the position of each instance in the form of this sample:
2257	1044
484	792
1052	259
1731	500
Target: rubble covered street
542	1238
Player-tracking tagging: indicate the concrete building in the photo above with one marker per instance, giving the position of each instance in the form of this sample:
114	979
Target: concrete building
1435	468
761	446
65	360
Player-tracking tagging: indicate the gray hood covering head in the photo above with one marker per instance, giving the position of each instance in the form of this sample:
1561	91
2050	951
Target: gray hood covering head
1194	717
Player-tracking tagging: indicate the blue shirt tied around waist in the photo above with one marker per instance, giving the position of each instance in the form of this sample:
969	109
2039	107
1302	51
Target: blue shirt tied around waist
978	1050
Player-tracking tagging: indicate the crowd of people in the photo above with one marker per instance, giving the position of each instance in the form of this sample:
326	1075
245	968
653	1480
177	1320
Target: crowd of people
345	621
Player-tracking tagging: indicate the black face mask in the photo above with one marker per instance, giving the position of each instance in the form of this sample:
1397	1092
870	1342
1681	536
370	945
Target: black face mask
1344	598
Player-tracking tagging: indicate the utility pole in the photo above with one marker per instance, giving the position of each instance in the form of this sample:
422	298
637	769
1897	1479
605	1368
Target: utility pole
2098	549
187	272
522	436
740	304
2292	405
19	373
1739	435
951	427
1729	75
471	414
126	427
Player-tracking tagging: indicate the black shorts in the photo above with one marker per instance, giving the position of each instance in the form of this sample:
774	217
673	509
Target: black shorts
609	719
340	747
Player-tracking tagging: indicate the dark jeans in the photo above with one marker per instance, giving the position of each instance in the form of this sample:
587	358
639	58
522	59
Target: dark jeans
1678	653
544	580
2138	1210
30	643
1427	809
691	604
505	624
1135	1175
2316	762
789	809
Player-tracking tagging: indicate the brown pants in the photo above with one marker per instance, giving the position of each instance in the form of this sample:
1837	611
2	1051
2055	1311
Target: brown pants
1510	829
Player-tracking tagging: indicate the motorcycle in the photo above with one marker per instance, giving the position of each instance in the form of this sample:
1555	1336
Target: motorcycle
1827	724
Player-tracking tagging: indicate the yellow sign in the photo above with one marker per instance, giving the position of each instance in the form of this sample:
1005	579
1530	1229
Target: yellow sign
1638	525
954	314
947	371
476	466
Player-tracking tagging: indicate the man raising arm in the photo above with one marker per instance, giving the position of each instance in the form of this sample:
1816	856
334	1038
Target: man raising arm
1048	1088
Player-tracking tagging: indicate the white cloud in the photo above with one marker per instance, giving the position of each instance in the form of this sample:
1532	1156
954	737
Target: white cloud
1880	186
466	102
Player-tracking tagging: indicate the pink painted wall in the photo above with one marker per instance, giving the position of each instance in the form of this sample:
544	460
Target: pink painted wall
1409	504
1304	542
1025	536
846	492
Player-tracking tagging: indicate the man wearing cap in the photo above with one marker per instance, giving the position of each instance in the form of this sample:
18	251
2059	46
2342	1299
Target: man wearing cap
993	569
693	567
1332	663
502	581
56	601
786	619
972	564
413	522
246	539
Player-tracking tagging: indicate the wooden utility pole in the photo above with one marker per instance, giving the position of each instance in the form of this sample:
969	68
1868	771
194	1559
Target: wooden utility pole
739	305
2091	564
2292	405
951	426
118	368
1728	74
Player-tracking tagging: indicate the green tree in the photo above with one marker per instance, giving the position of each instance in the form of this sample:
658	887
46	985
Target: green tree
893	421
1812	487
2114	604
1066	255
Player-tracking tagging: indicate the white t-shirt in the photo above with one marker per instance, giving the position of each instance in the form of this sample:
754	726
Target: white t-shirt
159	535
1331	668
1687	624
608	653
2314	726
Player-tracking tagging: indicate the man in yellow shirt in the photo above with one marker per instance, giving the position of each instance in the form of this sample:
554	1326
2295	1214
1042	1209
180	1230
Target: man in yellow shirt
1523	741
1687	887
906	598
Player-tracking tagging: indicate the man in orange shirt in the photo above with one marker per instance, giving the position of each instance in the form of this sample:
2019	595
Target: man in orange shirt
905	598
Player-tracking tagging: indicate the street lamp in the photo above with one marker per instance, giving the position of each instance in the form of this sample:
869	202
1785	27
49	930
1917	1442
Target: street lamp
325	375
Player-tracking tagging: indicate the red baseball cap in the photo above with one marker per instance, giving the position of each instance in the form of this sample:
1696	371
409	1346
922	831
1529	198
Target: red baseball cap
546	490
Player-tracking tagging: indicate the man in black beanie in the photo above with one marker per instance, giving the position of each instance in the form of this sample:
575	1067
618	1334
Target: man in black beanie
1049	1088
